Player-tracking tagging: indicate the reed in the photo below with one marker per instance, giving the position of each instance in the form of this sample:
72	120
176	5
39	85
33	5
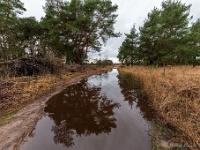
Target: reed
174	93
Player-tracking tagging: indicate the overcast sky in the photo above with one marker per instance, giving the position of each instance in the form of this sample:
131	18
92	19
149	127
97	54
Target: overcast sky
130	12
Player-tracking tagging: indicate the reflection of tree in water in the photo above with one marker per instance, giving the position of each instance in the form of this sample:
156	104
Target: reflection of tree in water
129	90
80	110
126	84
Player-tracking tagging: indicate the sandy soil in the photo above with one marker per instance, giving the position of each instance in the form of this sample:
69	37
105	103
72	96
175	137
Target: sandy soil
23	122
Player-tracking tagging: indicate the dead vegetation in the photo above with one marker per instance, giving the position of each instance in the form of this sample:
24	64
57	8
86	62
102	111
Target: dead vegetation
28	66
16	92
174	93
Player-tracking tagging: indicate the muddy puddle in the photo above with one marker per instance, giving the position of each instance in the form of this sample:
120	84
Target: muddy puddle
99	113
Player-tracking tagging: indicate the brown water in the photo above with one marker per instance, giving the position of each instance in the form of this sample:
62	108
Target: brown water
98	113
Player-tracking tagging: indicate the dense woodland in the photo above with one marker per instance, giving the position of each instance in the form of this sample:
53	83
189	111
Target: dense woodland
167	37
69	29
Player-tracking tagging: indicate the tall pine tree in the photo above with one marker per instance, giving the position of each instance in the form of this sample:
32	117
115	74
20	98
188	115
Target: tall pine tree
128	52
165	33
9	47
78	27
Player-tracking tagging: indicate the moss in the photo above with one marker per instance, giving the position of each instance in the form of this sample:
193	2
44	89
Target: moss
7	117
161	128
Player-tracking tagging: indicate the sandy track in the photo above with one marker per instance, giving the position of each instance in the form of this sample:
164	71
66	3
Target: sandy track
22	123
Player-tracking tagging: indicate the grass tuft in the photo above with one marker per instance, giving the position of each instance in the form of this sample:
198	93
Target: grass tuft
7	117
174	93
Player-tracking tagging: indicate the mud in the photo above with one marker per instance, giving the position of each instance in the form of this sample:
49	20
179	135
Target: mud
23	122
101	112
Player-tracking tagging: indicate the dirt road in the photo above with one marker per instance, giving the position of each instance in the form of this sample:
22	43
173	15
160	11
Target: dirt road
22	123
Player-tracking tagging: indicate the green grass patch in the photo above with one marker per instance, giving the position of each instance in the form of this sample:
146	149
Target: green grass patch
7	117
161	128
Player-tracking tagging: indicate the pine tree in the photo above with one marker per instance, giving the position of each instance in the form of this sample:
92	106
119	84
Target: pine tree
174	25
149	36
194	43
9	47
78	27
128	52
30	31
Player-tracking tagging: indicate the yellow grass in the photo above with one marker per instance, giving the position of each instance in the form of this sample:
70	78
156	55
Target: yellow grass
174	92
27	89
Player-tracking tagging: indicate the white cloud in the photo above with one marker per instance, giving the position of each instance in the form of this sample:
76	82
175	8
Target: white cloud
34	8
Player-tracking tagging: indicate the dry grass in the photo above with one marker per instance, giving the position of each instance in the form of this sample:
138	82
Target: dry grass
174	93
17	92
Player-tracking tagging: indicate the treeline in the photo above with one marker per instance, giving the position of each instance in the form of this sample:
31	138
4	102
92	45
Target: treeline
69	28
166	38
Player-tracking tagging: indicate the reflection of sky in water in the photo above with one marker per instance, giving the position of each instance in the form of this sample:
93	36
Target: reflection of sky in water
109	84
